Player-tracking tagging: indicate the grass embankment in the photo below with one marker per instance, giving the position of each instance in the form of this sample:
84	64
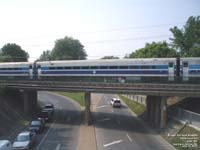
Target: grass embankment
134	106
78	97
186	139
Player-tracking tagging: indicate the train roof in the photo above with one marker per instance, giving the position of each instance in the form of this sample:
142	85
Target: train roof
190	58
106	61
11	64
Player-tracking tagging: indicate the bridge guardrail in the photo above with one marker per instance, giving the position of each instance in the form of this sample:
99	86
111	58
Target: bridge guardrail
135	87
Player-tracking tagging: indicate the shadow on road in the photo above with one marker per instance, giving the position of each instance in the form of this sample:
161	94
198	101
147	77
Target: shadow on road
119	122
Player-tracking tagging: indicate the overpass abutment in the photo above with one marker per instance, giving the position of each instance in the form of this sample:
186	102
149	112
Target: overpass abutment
30	101
156	113
87	108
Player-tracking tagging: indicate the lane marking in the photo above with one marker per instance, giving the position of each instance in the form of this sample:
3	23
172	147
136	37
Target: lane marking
112	143
45	136
130	139
58	147
102	106
106	119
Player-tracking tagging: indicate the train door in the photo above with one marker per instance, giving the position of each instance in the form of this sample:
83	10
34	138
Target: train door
31	71
171	71
185	71
38	71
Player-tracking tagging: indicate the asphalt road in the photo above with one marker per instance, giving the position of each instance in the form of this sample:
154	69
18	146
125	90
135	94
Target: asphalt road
117	129
63	132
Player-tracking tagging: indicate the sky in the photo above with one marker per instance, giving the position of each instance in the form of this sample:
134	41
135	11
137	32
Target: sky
104	27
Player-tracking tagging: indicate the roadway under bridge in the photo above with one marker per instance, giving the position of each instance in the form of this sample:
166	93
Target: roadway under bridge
156	112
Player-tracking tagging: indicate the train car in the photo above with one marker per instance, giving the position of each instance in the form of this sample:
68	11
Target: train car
189	68
118	68
16	70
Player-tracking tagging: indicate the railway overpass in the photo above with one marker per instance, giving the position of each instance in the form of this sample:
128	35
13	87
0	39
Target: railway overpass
157	94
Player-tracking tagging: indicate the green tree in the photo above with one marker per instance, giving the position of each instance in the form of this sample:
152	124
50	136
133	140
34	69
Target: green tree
45	56
187	40
13	53
68	49
110	57
154	50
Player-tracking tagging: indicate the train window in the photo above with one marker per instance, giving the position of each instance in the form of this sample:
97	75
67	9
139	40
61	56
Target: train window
153	67
145	67
94	67
133	67
30	66
123	67
15	68
67	67
113	67
185	64
59	68
52	68
40	67
76	67
85	67
171	64
103	67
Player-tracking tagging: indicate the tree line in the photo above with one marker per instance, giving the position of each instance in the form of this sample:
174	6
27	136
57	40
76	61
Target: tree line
184	43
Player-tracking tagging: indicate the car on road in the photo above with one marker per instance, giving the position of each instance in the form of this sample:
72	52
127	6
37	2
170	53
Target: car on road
24	140
5	145
49	107
115	102
45	115
36	126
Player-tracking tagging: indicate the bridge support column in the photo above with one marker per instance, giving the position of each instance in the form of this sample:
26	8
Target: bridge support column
156	111
87	108
30	101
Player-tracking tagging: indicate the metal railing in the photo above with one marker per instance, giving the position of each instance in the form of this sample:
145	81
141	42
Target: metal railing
188	90
185	116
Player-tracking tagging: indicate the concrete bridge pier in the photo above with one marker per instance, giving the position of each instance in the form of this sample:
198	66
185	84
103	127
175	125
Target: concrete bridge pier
156	111
30	101
87	108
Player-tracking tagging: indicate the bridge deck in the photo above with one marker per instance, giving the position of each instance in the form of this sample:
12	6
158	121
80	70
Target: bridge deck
188	90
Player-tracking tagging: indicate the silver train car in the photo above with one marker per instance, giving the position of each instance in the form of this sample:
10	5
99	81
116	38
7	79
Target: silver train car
170	69
189	68
16	70
155	67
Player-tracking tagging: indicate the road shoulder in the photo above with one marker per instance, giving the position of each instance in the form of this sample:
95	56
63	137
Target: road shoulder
87	137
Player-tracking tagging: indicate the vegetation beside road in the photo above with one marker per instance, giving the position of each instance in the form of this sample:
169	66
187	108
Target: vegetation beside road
77	97
182	137
134	106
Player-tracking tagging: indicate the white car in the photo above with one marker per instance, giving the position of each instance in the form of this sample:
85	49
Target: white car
5	145
24	140
49	107
115	102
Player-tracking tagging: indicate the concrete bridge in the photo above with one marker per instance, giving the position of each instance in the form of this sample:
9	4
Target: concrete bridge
157	94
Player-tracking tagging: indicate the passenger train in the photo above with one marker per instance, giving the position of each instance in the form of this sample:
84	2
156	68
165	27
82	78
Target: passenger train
119	69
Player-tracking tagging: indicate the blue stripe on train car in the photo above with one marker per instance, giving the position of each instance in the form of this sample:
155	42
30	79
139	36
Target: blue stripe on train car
13	72
197	66
133	72
137	67
25	68
194	72
67	72
108	72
